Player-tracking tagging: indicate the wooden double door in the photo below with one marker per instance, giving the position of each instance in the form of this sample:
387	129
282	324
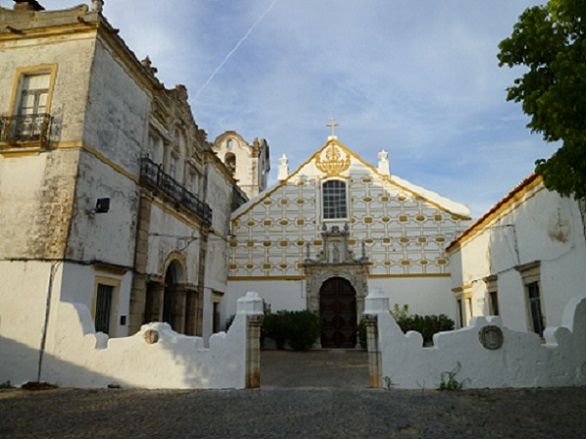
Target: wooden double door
337	310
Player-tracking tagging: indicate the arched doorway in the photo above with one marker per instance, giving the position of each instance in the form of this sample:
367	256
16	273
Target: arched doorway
172	278
337	311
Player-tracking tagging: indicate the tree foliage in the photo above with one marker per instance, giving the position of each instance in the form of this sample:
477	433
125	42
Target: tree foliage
550	41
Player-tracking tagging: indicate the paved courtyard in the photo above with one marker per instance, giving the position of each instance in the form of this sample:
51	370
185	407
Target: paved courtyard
343	409
336	368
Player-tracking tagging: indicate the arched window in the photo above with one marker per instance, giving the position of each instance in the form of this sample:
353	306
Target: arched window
334	199
230	161
230	144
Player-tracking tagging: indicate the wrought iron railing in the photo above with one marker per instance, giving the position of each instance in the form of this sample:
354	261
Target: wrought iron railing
25	128
153	175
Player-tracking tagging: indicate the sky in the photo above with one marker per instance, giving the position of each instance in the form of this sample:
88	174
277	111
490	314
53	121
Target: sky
419	79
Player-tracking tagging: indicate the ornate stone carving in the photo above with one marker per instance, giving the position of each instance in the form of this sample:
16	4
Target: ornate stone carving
97	6
491	337
336	161
335	260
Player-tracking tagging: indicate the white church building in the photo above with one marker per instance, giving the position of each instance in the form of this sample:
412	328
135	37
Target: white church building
333	229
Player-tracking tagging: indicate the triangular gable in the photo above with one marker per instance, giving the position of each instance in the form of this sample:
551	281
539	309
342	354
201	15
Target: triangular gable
430	197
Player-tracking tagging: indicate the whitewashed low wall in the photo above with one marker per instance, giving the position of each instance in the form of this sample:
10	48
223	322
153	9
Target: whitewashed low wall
154	357
521	361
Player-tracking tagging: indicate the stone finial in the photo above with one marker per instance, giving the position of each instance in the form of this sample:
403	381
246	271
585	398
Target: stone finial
383	163
283	168
97	6
180	92
28	5
251	303
376	302
148	64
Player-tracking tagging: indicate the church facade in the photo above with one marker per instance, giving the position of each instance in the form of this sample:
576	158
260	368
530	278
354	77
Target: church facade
335	228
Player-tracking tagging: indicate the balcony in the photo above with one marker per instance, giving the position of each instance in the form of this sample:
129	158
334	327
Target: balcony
153	176
24	128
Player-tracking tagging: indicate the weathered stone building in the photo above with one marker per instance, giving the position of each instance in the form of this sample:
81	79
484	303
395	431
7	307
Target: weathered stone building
110	194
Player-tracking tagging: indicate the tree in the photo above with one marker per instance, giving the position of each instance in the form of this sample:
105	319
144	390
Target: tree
550	40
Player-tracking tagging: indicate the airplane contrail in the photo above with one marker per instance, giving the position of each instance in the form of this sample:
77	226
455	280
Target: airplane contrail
234	49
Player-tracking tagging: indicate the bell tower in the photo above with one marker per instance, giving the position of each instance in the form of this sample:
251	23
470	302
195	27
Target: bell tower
248	163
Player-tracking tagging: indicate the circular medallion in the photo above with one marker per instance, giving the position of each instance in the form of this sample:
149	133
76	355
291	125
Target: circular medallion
491	337
151	336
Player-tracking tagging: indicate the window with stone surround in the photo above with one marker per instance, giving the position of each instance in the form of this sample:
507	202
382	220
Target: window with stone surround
531	274
334	199
492	294
105	305
33	94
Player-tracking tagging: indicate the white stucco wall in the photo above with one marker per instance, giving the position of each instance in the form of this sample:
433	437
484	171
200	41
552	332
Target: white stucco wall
279	294
521	361
79	286
117	111
107	237
540	226
423	295
79	357
167	234
24	289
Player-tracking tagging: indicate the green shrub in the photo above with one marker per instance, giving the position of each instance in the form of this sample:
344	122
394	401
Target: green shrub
275	327
298	328
427	326
303	329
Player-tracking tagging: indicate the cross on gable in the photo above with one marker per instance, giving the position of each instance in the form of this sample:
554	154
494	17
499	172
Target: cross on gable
332	124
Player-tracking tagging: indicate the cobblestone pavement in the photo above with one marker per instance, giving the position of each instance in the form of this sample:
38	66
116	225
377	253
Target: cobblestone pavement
293	413
289	405
339	368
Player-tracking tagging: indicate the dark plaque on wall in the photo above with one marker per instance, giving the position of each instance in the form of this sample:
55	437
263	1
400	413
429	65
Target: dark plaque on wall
491	337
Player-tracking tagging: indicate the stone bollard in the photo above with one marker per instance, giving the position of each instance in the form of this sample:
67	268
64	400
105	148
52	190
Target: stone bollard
375	303
251	306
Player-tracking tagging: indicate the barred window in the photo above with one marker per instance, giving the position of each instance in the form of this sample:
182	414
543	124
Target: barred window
334	199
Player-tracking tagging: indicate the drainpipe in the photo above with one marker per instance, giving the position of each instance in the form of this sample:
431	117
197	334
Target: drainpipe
46	322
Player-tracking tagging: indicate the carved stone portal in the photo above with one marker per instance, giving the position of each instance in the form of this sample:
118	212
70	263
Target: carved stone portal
335	259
